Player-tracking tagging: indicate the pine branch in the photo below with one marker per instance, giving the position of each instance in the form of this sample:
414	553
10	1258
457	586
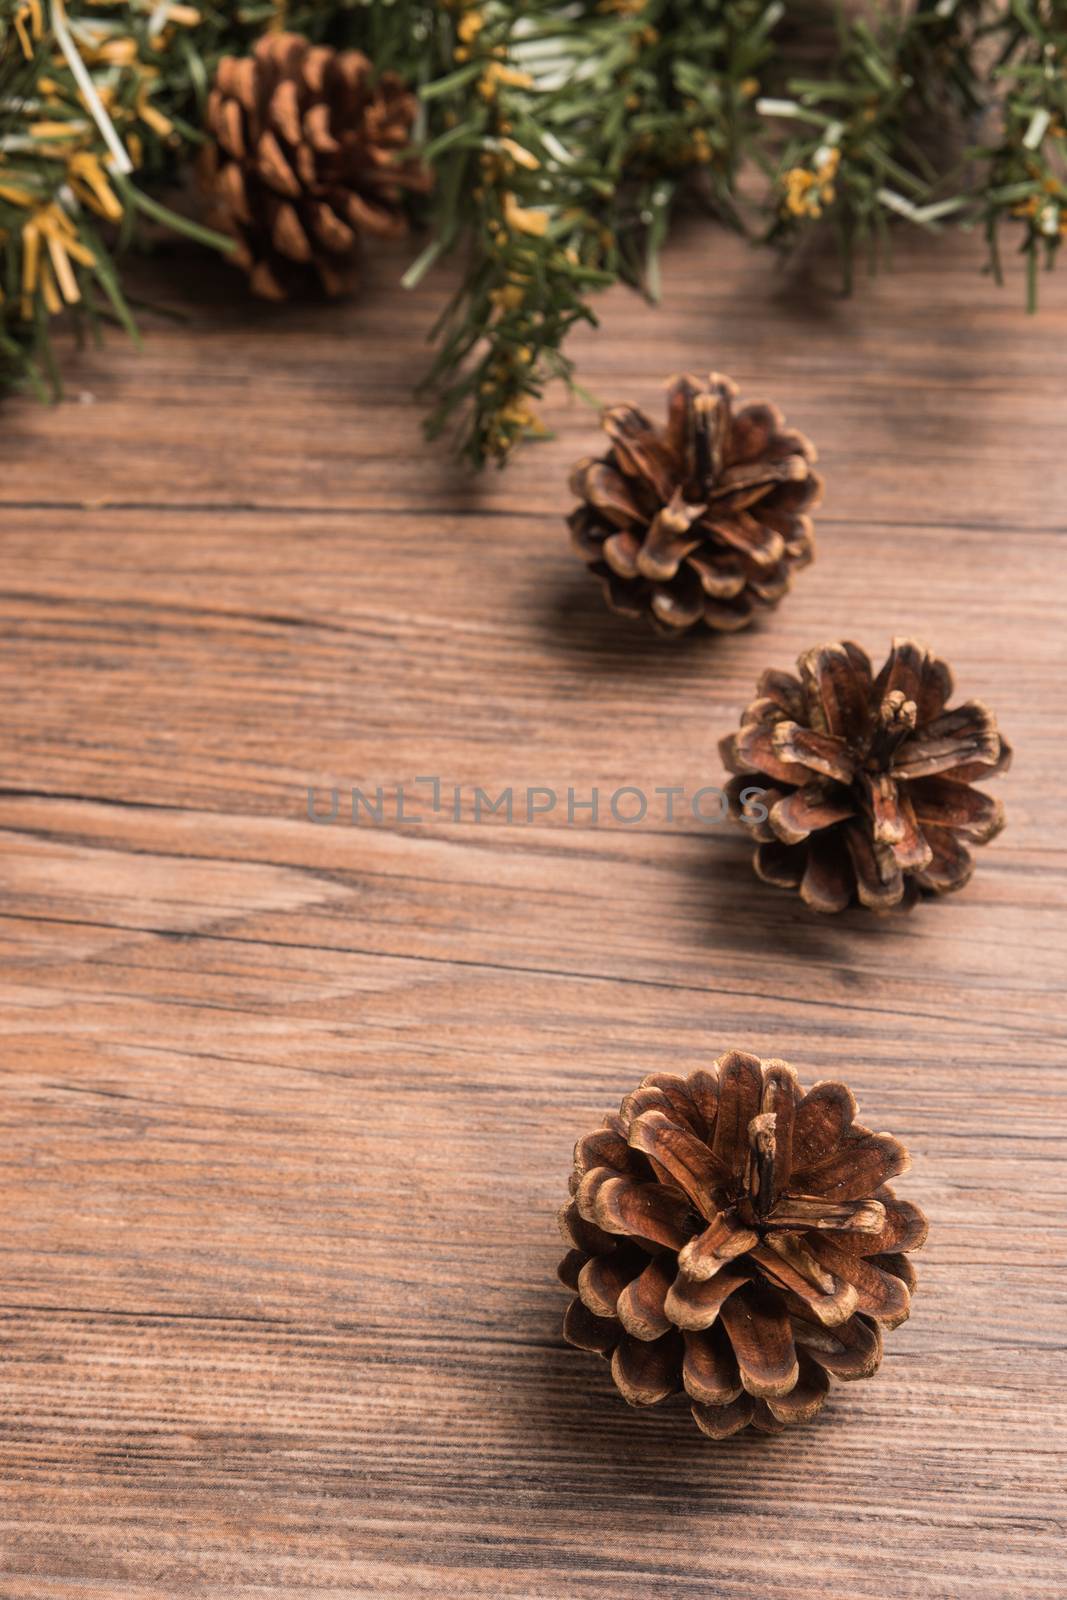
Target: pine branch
86	96
853	151
1024	168
565	136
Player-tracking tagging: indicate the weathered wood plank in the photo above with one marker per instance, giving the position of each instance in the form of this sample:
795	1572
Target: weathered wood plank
288	1107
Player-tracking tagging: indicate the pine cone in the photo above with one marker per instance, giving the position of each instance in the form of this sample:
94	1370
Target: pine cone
868	780
303	161
700	520
736	1238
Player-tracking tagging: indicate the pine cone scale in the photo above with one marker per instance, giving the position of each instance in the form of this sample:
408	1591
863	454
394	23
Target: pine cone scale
947	803
274	169
808	1395
740	1089
849	1351
968	734
586	1331
720	1422
606	491
825	754
229	125
641	1305
285	112
232	182
758	1328
600	1283
724	581
760	545
288	237
832	689
646	1373
694	1304
685	1158
709	1368
725	1238
903	1228
621	551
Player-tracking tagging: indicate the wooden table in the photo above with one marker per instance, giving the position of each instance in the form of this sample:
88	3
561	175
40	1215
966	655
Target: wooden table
288	1107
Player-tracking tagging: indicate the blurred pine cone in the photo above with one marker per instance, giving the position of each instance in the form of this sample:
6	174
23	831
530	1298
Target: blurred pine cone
302	161
867	780
703	520
736	1238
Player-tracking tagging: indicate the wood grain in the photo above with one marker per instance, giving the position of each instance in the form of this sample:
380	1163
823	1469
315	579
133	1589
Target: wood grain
287	1109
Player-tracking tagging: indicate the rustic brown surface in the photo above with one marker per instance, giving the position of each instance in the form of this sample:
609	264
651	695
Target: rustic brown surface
288	1108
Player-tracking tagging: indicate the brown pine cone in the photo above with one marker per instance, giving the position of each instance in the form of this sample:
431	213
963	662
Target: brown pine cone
303	161
737	1238
867	780
703	520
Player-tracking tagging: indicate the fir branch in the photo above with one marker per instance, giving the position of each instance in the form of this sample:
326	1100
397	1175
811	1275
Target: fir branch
567	136
852	150
85	92
1024	169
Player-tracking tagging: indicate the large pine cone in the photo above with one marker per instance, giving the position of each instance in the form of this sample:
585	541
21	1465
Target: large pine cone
867	779
736	1238
304	161
701	521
